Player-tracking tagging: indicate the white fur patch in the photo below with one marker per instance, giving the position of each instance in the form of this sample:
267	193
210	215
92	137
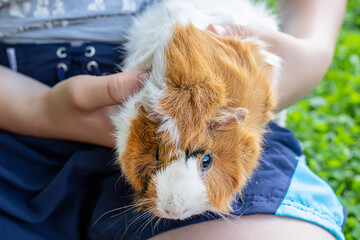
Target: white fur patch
155	90
122	119
180	190
148	36
169	128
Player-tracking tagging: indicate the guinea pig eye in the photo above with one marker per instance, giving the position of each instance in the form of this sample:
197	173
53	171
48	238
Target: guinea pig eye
206	162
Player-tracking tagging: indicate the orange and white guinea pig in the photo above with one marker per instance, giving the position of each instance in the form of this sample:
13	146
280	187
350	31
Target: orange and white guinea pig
190	139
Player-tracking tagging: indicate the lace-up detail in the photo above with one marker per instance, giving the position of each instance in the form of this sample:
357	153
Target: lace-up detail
79	55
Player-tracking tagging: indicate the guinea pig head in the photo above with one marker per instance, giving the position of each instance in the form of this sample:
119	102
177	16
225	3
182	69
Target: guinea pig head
192	148
173	180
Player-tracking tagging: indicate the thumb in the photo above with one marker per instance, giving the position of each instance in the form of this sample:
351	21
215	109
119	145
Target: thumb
233	30
93	92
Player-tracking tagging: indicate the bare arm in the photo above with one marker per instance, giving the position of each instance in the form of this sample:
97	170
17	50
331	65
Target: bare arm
74	109
307	43
315	25
20	103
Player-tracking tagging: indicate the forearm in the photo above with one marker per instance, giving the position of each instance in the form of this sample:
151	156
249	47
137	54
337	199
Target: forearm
317	24
316	19
21	104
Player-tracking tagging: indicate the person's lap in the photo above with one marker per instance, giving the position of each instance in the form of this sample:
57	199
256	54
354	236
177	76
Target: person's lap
78	182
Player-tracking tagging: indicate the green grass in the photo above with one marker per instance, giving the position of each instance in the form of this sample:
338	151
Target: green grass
327	122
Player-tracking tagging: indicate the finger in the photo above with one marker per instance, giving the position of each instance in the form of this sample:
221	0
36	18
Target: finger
91	93
232	30
276	40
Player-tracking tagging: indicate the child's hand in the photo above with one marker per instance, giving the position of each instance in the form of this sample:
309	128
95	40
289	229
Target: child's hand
75	109
305	60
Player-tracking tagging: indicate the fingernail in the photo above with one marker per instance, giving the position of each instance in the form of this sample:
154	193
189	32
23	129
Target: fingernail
220	30
143	77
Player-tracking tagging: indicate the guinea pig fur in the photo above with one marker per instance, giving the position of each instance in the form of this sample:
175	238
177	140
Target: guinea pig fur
189	140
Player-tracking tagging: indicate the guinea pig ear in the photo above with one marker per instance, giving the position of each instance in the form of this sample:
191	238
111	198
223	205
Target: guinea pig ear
229	117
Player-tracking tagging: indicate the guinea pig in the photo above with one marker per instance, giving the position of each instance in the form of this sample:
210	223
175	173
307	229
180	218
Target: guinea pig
191	138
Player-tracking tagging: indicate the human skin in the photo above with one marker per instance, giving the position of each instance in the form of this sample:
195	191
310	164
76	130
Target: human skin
253	227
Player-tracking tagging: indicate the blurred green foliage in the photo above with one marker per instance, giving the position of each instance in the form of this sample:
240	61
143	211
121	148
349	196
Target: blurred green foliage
327	122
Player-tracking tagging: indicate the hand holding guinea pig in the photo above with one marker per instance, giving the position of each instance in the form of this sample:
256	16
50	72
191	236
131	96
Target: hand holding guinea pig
76	109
